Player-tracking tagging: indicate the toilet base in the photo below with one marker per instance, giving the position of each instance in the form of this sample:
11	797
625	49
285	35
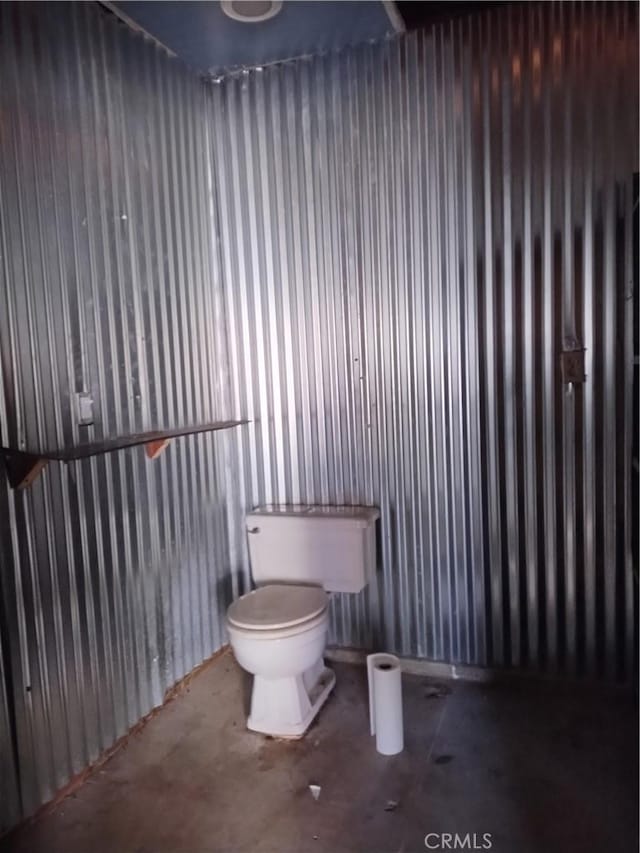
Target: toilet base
285	707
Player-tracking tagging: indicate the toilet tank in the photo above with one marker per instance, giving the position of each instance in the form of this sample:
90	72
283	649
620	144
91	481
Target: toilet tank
332	546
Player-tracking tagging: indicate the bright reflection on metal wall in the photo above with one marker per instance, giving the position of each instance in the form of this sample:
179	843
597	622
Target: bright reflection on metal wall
412	232
114	570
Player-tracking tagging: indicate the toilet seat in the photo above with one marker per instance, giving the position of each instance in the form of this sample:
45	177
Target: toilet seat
277	606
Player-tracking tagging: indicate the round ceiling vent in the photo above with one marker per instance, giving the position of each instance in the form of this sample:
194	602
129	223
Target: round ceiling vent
251	11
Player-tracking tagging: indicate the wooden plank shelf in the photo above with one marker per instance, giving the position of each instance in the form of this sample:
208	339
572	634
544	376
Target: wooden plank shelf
23	466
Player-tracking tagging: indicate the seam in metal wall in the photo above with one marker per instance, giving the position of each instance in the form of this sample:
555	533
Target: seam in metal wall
115	570
411	233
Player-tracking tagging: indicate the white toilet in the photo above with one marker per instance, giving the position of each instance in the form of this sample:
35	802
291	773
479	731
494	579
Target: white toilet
278	632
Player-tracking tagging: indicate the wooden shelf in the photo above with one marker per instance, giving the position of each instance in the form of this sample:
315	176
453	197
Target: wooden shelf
23	466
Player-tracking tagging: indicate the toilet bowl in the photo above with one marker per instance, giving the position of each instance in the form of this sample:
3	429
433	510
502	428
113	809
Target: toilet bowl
278	632
284	654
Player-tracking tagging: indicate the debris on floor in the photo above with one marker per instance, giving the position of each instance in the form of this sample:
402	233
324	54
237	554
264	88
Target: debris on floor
436	691
491	745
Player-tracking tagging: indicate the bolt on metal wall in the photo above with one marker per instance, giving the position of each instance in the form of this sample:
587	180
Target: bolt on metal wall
412	233
115	570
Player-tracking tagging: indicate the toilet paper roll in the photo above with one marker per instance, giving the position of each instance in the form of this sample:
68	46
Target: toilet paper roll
385	702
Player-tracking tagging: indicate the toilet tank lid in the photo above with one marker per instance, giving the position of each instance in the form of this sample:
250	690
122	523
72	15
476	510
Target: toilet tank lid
363	515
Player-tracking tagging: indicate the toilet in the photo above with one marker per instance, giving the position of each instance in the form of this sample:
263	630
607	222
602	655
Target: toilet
278	632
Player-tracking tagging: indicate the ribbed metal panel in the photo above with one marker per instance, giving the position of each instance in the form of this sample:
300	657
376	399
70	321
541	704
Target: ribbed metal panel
412	232
115	571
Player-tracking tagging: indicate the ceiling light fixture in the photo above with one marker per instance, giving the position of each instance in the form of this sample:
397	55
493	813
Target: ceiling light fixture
251	11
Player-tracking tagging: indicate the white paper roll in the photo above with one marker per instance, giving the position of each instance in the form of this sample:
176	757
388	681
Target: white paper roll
385	702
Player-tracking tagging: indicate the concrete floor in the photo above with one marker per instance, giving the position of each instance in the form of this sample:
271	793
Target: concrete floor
540	767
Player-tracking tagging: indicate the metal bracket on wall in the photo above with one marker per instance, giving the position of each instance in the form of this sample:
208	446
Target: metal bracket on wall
572	366
153	449
22	468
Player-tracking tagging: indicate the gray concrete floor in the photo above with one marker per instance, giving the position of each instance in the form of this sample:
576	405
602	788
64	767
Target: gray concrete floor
540	767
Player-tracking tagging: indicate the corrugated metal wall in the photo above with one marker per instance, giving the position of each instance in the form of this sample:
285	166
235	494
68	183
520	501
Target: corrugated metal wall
411	233
115	571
